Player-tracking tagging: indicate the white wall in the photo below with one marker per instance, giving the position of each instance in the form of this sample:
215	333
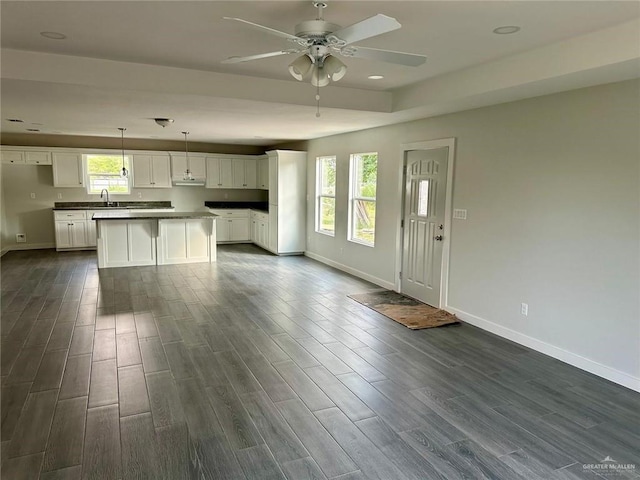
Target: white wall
551	185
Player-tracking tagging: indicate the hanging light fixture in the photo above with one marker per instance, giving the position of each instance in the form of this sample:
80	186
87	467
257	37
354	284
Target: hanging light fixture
124	172
187	173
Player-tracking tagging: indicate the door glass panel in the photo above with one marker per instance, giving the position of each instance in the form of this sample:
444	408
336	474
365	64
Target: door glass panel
423	198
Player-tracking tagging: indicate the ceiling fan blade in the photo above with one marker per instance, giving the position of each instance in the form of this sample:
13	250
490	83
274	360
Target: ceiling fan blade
258	56
270	30
370	27
400	58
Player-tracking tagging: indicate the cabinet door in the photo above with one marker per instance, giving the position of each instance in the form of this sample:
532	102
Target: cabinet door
239	229
213	173
238	173
263	174
79	233
222	229
197	167
63	234
161	171
37	158
250	173
226	173
255	228
12	157
67	170
142	171
178	166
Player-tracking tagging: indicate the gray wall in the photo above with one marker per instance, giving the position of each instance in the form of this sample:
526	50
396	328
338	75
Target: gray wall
551	185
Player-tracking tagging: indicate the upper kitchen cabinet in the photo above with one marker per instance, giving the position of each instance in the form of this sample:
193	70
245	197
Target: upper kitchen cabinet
151	171
67	170
263	173
194	165
244	173
219	172
29	157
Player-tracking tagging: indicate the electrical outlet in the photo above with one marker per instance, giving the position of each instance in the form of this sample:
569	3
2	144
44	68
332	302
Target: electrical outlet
524	309
139	194
21	238
32	195
59	196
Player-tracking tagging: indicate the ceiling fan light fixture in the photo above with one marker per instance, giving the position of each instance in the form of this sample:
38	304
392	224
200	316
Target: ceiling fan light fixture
319	77
334	68
301	67
163	122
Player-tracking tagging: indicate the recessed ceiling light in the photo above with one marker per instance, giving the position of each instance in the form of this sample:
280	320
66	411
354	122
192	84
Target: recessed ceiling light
506	30
15	120
33	130
375	77
53	35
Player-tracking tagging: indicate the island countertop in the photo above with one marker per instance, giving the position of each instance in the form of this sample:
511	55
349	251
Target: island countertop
133	215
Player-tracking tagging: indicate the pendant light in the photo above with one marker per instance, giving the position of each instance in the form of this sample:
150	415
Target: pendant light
187	173
124	172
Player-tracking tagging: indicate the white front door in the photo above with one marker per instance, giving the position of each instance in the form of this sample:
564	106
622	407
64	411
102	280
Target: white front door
424	224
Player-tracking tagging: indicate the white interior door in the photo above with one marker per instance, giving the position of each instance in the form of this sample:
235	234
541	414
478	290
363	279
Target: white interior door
424	218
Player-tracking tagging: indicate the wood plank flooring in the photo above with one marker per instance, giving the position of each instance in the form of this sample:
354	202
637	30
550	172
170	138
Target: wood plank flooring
260	367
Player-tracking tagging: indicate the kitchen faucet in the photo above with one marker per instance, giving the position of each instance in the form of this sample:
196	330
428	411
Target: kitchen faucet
105	191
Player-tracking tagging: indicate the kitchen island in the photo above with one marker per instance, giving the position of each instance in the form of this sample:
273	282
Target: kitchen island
130	238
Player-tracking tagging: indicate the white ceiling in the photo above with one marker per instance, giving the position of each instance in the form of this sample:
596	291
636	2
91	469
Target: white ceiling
126	62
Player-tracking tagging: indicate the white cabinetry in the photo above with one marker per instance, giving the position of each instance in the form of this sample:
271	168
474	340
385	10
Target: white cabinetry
27	157
287	201
260	228
263	173
219	172
186	241
10	156
232	225
244	173
126	243
194	164
67	170
151	171
71	229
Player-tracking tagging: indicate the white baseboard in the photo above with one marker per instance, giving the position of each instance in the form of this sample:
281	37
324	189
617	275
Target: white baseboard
352	271
616	376
27	246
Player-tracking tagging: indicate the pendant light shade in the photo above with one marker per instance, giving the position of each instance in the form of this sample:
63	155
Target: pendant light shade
334	68
301	67
124	172
187	173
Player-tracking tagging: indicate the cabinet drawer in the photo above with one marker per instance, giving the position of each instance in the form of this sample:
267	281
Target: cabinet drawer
70	215
231	213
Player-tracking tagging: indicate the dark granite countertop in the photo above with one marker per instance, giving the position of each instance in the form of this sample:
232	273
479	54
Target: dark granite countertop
132	215
114	205
263	206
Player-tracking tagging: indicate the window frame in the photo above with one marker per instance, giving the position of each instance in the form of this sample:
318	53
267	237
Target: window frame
88	175
321	195
354	196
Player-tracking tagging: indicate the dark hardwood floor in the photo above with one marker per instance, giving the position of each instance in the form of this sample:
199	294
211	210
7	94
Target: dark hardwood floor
260	367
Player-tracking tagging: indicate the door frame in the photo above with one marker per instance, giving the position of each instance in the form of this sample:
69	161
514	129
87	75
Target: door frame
448	211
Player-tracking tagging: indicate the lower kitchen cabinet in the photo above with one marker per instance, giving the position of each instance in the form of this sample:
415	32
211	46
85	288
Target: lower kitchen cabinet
127	243
232	225
71	230
260	228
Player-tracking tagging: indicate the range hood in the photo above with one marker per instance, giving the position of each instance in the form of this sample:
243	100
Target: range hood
187	182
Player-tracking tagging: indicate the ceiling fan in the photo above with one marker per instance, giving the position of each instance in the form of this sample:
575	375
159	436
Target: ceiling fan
319	41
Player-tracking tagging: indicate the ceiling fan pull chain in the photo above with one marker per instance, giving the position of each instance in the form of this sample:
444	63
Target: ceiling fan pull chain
318	94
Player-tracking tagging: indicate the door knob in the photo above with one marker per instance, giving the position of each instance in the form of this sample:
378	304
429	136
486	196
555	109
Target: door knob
438	238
